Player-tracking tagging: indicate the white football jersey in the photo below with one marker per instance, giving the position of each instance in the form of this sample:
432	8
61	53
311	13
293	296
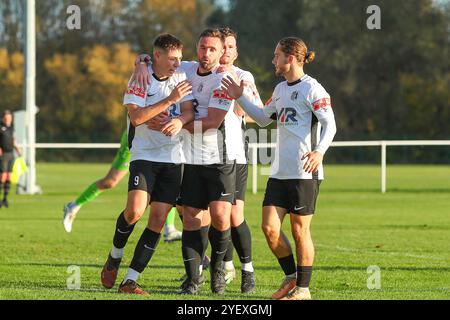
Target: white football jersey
151	145
210	147
237	137
298	107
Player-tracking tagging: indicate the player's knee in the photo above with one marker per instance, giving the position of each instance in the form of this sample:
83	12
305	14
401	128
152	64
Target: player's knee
191	213
133	214
300	234
191	224
108	184
220	224
237	219
270	232
191	220
156	223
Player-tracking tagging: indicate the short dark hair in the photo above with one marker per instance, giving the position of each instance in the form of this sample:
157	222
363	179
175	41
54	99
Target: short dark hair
212	32
228	32
167	42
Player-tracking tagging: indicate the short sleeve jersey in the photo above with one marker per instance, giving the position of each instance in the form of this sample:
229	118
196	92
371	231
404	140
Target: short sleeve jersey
209	147
6	138
151	145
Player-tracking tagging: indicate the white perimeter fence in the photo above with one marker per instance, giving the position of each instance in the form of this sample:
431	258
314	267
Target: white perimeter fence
255	146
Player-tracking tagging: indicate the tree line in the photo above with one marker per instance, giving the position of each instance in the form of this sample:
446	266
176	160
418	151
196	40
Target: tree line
391	83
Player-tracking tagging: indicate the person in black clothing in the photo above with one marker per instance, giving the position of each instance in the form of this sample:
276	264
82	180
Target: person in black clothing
7	147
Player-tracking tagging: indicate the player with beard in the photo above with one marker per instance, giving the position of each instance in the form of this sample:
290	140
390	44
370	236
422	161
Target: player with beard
240	232
209	174
234	141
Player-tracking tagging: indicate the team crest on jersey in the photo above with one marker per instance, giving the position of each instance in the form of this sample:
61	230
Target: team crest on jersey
200	88
294	95
322	104
136	91
287	116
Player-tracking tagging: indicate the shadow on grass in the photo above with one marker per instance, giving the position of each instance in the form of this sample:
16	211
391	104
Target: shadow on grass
274	268
169	292
205	293
39	286
85	265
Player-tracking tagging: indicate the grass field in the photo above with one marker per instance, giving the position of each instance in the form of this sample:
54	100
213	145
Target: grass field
406	233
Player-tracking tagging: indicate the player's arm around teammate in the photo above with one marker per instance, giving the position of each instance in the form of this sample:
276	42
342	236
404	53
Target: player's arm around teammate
138	200
155	169
140	115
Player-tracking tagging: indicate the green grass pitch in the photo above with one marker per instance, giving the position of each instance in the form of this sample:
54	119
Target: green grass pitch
406	233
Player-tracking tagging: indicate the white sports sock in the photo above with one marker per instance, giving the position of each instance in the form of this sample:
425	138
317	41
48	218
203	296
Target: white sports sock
248	267
292	276
116	253
169	228
229	265
132	275
200	269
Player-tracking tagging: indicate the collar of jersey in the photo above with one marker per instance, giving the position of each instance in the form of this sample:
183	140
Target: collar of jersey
290	84
203	74
159	79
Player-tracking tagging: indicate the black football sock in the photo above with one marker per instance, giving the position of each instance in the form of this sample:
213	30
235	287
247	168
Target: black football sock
304	274
219	245
1	186
242	240
204	232
229	254
192	248
6	190
288	265
145	249
123	232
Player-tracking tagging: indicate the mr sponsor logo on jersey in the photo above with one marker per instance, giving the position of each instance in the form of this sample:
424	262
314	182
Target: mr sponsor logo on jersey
195	104
173	111
287	116
136	91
